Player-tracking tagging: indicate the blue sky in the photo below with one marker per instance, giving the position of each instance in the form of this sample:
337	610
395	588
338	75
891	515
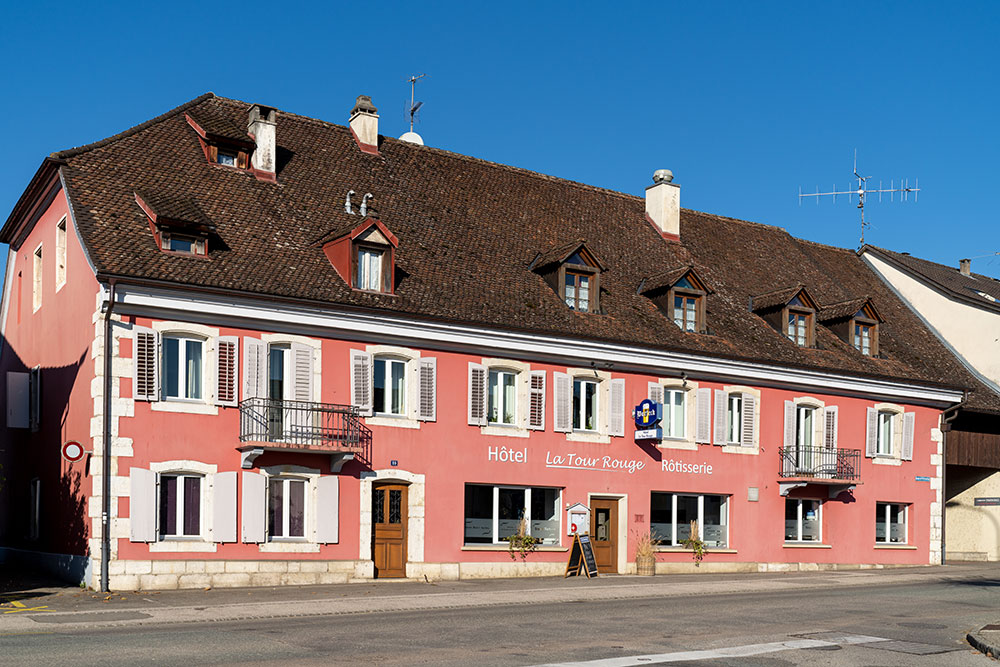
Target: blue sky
745	102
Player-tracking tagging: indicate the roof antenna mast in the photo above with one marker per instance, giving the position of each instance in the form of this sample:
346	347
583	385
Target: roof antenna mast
862	191
414	106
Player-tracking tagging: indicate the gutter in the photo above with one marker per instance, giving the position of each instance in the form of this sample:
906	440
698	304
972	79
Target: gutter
106	446
947	417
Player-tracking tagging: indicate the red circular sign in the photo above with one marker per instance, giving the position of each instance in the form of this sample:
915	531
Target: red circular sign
572	527
73	451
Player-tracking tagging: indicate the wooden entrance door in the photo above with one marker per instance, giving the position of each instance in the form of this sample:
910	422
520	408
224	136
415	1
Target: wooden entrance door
604	533
389	530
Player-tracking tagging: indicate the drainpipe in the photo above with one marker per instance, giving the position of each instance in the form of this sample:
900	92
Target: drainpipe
106	448
947	417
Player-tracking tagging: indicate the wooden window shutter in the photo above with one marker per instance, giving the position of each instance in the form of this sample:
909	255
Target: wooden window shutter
477	394
253	501
226	363
254	368
908	428
213	153
616	415
789	424
427	386
17	400
224	507
562	403
328	509
871	432
721	413
142	505
361	381
830	427
703	412
536	401
146	371
654	392
241	160
749	425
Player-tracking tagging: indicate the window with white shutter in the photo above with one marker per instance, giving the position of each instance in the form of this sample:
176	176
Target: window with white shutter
562	403
790	424
226	363
302	372
703	415
328	509
616	415
871	432
654	392
427	388
254	368
253	506
749	415
909	419
224	507
361	381
146	366
536	401
830	427
142	505
721	417
477	394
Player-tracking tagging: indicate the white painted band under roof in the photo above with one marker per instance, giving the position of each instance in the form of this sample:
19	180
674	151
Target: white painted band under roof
357	325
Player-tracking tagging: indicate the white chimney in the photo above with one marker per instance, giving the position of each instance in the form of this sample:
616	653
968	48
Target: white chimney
663	204
261	126
364	124
965	266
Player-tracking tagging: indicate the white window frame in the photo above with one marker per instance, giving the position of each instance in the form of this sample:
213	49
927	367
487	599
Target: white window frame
179	510
286	481
885	444
183	338
673	541
799	520
527	511
741	447
801	430
687	440
734	418
581	411
666	422
369	268
904	509
388	361
500	374
36	279
61	228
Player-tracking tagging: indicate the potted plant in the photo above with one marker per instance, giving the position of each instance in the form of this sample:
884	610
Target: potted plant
695	544
645	554
520	542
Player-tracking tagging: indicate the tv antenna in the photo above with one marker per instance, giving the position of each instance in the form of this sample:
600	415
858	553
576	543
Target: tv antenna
414	106
862	191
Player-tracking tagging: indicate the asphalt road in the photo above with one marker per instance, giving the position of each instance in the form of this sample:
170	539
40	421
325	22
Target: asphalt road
814	627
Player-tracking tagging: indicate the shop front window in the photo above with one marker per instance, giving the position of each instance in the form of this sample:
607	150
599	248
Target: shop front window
671	515
494	513
890	523
802	520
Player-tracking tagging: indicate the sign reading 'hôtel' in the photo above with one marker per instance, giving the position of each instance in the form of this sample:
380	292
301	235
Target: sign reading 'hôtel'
573	461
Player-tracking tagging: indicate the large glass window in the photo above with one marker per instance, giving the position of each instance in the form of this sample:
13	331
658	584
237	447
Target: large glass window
883	441
671	515
390	386
584	405
674	412
890	523
369	269
577	291
286	508
502	397
734	419
493	513
180	505
182	367
802	520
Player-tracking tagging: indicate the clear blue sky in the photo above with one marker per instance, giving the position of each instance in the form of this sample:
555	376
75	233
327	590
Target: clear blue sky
745	102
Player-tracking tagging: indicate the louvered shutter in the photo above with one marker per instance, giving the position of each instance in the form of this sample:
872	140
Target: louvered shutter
253	501
616	415
536	401
789	424
721	407
142	505
562	403
328	509
302	419
146	371
748	434
830	427
213	153
871	432
477	394
224	507
427	403
361	381
254	368
703	412
226	360
654	392
241	160
35	398
908	428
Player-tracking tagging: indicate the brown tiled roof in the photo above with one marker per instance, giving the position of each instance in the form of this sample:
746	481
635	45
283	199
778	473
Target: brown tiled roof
468	231
969	288
173	206
664	280
779	297
562	252
218	123
844	309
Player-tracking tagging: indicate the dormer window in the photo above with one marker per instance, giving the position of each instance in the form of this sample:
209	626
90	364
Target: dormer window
365	256
680	295
576	291
574	273
226	158
800	323
183	244
369	268
792	312
178	224
222	140
856	323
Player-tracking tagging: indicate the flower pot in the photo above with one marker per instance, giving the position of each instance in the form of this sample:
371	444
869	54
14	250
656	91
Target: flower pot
645	566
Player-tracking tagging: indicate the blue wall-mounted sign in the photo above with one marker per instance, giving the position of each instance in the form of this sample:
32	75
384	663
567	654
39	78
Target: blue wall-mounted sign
394	463
647	414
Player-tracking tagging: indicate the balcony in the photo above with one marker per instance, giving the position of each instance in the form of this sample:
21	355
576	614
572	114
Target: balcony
300	426
839	469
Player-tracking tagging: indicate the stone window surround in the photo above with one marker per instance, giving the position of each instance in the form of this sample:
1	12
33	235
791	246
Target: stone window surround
307	544
740	449
205	544
412	359
206	406
270	339
603	380
519	429
690	413
622	537
896	457
819	419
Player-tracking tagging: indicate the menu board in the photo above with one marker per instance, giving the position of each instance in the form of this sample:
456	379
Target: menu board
581	558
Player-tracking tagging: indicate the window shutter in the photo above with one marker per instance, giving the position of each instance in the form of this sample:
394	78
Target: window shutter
17	400
562	403
655	392
328	509
361	381
789	424
871	432
146	372
241	160
721	408
749	424
428	390
35	398
616	415
226	359
703	412
830	427
224	507
302	372
213	153
254	368
253	499
536	401
908	428
142	505
477	394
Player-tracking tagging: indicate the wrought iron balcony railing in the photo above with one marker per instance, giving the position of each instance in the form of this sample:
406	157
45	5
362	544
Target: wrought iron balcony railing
820	463
302	425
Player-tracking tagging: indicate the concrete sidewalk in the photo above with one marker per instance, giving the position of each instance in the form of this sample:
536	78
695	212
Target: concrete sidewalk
62	610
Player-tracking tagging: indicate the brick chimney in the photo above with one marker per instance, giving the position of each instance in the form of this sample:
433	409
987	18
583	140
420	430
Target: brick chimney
261	126
663	204
965	266
364	124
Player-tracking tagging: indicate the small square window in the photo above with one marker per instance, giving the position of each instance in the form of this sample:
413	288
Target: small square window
226	158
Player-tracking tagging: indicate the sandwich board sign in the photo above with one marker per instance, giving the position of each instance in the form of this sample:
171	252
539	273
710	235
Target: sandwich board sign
581	557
